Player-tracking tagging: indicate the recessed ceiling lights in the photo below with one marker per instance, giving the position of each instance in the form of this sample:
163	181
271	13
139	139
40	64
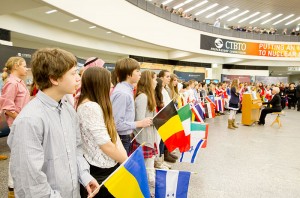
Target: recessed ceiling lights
263	16
74	20
275	17
232	18
283	19
51	11
196	6
292	21
166	2
182	4
279	74
123	36
92	27
216	12
108	32
252	15
228	13
206	9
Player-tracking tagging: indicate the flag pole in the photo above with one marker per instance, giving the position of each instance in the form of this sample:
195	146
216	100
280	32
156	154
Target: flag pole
97	189
136	135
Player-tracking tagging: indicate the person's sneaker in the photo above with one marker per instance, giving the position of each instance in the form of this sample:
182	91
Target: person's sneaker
3	157
166	165
160	165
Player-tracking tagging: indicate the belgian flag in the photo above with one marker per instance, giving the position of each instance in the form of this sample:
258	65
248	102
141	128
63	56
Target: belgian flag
169	126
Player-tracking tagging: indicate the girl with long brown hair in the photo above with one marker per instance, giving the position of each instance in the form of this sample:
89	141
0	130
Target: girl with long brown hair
102	147
145	106
233	103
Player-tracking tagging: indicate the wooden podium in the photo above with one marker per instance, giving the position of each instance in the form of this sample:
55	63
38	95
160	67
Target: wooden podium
250	108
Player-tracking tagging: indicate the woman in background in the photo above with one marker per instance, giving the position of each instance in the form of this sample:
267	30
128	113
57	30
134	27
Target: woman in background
102	147
14	97
233	103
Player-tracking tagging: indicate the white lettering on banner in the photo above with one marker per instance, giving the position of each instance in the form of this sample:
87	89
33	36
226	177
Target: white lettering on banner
267	46
235	45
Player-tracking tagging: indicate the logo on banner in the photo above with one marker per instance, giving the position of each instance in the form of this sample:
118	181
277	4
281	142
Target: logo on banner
219	43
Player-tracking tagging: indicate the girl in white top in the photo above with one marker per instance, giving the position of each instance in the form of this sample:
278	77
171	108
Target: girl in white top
101	144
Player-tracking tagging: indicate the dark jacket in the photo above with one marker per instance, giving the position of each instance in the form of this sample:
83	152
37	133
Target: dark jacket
275	102
298	91
235	96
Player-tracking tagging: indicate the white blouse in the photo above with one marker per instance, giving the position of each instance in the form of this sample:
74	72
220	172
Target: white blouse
94	134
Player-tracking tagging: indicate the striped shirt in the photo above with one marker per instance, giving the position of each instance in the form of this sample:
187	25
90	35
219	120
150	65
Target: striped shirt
46	154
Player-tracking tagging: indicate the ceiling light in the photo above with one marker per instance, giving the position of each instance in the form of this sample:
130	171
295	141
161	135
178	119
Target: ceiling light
166	2
275	17
232	18
292	21
182	4
51	11
196	6
74	20
123	36
279	74
252	15
206	9
92	27
283	19
263	16
108	32
228	13
289	73
216	12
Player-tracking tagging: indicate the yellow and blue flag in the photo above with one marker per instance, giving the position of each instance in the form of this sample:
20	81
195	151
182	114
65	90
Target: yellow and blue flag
130	179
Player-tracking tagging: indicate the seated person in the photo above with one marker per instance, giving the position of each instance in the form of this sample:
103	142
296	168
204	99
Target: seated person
276	106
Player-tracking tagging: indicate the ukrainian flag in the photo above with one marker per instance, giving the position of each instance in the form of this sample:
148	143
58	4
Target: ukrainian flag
130	179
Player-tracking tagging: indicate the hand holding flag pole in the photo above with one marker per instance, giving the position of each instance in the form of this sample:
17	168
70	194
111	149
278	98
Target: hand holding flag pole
151	119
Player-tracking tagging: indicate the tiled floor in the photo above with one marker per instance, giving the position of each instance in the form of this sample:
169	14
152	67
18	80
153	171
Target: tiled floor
249	162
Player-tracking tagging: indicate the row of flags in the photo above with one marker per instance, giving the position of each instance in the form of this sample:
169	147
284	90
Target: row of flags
177	130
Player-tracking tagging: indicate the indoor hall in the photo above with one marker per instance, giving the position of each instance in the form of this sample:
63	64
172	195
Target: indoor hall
250	161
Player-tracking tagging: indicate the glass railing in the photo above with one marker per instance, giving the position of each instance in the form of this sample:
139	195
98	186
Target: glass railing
150	7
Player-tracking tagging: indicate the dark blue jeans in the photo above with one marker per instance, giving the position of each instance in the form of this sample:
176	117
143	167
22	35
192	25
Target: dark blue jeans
125	139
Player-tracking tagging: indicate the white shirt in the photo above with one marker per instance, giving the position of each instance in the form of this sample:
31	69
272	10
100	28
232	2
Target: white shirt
94	134
166	97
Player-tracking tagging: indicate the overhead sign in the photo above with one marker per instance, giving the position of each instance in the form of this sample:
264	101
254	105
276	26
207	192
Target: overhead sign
221	45
293	68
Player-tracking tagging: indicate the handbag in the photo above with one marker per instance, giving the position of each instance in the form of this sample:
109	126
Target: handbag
4	128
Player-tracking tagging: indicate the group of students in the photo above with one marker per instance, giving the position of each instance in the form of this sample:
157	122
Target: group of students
80	129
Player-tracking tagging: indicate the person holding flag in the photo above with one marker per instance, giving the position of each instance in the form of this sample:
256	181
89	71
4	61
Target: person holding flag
145	106
102	146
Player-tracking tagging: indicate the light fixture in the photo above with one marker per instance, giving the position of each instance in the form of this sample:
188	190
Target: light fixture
108	32
216	12
252	15
228	13
206	9
292	21
92	27
214	65
279	74
123	36
275	17
196	6
182	4
289	73
74	20
241	14
166	2
283	19
263	16
51	11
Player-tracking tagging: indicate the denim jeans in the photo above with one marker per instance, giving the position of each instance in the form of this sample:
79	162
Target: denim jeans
125	139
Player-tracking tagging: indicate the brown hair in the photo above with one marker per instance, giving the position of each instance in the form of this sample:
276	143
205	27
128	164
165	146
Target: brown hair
9	66
125	67
174	89
50	63
235	83
145	86
95	86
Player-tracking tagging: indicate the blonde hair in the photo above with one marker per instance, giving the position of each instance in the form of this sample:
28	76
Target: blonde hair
9	66
174	89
